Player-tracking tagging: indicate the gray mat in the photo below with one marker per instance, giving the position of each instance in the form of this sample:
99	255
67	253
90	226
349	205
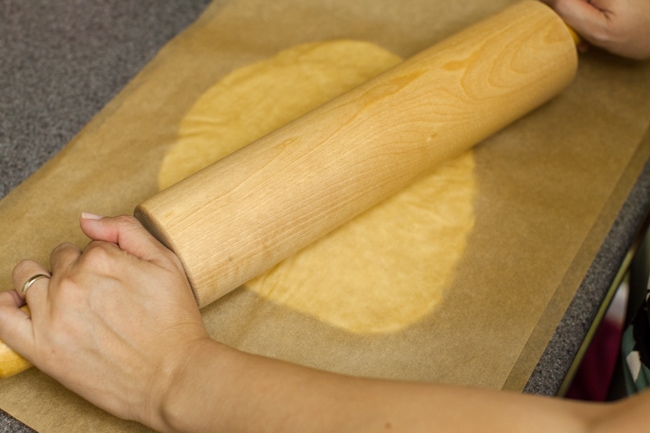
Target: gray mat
62	61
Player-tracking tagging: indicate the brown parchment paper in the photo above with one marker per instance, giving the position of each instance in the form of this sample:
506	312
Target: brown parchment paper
550	186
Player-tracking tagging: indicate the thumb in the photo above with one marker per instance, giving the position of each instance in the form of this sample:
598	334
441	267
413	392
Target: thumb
128	234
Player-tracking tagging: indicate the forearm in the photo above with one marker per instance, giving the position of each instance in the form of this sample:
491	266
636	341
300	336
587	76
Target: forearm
225	390
150	359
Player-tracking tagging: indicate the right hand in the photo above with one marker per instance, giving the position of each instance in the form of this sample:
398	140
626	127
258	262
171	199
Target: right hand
621	27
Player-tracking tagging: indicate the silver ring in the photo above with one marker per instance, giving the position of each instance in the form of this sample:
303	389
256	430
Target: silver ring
31	281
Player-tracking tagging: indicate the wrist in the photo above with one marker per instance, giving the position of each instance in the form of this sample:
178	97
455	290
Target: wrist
191	386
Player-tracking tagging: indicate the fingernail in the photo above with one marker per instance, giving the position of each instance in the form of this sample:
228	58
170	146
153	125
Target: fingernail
90	216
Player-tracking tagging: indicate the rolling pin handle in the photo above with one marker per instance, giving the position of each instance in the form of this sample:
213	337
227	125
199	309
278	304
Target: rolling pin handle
11	363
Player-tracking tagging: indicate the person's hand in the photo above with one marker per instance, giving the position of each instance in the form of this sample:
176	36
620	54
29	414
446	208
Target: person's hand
115	323
621	27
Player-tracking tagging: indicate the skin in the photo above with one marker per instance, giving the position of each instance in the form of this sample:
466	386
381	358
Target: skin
111	313
621	27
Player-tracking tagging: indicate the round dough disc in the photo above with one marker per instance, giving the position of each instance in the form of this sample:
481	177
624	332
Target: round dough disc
386	269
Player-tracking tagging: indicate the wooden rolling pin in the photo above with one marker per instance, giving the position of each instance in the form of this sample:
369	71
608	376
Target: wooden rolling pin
239	217
247	212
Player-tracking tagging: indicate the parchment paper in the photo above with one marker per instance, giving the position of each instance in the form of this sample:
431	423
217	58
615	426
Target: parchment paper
550	186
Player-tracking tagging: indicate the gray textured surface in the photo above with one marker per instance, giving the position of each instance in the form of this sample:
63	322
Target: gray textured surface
62	61
565	343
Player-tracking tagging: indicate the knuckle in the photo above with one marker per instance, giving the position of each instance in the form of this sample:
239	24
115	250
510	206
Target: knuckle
128	224
68	284
97	256
61	247
127	220
62	250
123	218
21	268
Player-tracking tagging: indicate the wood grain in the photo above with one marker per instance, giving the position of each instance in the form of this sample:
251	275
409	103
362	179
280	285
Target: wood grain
242	215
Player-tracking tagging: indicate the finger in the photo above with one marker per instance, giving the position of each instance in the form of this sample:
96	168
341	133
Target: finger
127	233
588	20
63	257
18	300
15	325
23	282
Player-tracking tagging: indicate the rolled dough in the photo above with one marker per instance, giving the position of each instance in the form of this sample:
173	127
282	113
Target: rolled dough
383	271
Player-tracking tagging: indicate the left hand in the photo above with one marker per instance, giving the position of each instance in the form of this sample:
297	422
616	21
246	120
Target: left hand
115	323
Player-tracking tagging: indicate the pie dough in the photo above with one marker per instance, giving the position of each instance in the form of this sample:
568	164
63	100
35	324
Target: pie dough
386	269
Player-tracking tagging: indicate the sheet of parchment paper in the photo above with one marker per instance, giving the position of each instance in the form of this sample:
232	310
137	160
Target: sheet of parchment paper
550	186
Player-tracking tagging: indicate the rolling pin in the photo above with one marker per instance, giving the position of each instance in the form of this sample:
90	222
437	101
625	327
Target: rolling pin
247	212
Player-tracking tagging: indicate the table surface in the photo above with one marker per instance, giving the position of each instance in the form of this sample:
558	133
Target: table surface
63	61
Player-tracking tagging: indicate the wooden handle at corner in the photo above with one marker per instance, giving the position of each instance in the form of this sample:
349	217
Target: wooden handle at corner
11	363
247	212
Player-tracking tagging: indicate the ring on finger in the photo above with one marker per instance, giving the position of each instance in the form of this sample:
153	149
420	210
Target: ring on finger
31	281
